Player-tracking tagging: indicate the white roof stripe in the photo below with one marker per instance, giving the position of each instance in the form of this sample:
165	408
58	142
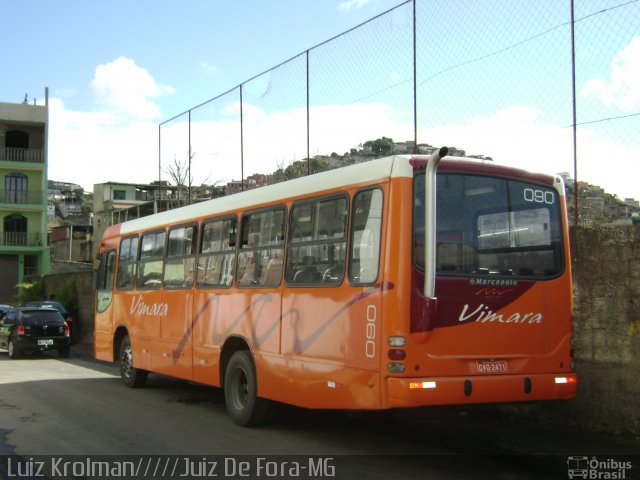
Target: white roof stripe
381	169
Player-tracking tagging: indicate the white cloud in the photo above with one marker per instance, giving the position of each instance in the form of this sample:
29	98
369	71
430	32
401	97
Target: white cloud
209	68
351	4
622	90
277	138
123	85
90	148
517	137
65	92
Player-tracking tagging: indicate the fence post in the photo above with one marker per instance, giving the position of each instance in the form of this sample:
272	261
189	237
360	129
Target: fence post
308	132
575	117
241	145
415	83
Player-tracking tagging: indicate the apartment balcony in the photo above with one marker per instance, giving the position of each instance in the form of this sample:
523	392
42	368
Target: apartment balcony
22	239
19	197
28	155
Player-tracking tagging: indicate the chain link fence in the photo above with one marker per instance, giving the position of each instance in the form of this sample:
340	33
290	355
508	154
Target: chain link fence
498	80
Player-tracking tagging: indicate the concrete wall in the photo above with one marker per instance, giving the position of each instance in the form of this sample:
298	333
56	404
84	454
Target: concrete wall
83	317
606	274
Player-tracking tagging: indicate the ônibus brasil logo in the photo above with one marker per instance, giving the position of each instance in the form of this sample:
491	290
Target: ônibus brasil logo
594	468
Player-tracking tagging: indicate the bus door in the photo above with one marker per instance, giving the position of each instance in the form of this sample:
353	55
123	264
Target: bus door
175	342
214	277
145	304
105	281
258	298
330	311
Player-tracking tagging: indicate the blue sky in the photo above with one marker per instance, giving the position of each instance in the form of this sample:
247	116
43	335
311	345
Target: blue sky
493	77
197	48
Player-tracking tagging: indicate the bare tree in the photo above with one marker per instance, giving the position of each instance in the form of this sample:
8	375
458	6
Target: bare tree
179	172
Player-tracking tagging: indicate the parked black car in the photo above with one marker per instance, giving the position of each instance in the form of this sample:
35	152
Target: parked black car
4	309
56	306
33	330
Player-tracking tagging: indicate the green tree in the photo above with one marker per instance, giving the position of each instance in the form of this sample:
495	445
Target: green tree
30	291
382	146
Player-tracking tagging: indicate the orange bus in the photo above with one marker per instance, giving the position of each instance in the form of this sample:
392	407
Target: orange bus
400	282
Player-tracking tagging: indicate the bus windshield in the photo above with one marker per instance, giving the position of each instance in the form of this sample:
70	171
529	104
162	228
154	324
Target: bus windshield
491	226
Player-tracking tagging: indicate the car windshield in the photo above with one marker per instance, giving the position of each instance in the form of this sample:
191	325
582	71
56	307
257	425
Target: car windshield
32	317
47	304
9	314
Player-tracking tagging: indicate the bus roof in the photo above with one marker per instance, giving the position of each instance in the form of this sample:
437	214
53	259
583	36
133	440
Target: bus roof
362	173
395	166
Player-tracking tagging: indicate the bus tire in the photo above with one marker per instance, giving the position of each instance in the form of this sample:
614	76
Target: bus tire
241	392
131	376
63	352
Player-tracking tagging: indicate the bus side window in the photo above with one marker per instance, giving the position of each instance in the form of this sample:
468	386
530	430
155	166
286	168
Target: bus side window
127	263
180	262
366	225
151	260
261	249
317	245
217	253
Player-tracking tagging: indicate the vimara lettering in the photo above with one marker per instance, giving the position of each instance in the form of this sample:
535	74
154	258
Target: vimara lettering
484	314
138	307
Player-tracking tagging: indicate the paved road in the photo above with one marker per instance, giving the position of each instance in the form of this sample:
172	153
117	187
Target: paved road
77	406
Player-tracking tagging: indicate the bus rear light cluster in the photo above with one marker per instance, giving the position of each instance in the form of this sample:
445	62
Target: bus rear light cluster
67	330
396	354
396	367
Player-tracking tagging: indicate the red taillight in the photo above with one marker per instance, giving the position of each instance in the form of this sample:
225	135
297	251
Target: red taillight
397	354
21	330
66	330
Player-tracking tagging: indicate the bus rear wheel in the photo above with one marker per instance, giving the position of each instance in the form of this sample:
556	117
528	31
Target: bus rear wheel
241	392
131	376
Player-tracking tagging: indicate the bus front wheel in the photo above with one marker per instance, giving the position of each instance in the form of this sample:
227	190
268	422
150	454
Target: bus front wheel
131	376
241	392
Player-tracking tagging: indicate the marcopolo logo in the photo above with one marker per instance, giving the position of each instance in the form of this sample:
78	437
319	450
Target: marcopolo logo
598	469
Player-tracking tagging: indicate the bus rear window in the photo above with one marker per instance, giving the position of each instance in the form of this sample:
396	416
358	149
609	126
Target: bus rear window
491	226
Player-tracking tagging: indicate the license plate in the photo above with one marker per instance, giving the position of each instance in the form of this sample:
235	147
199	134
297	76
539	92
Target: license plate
43	343
492	366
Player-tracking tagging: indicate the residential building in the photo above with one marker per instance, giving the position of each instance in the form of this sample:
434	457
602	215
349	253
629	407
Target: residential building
66	204
115	202
256	180
72	243
23	194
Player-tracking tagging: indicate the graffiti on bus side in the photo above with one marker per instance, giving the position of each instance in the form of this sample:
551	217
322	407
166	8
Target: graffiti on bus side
300	345
256	307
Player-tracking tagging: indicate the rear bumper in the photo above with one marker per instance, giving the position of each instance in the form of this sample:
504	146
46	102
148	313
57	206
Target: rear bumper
414	392
32	343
